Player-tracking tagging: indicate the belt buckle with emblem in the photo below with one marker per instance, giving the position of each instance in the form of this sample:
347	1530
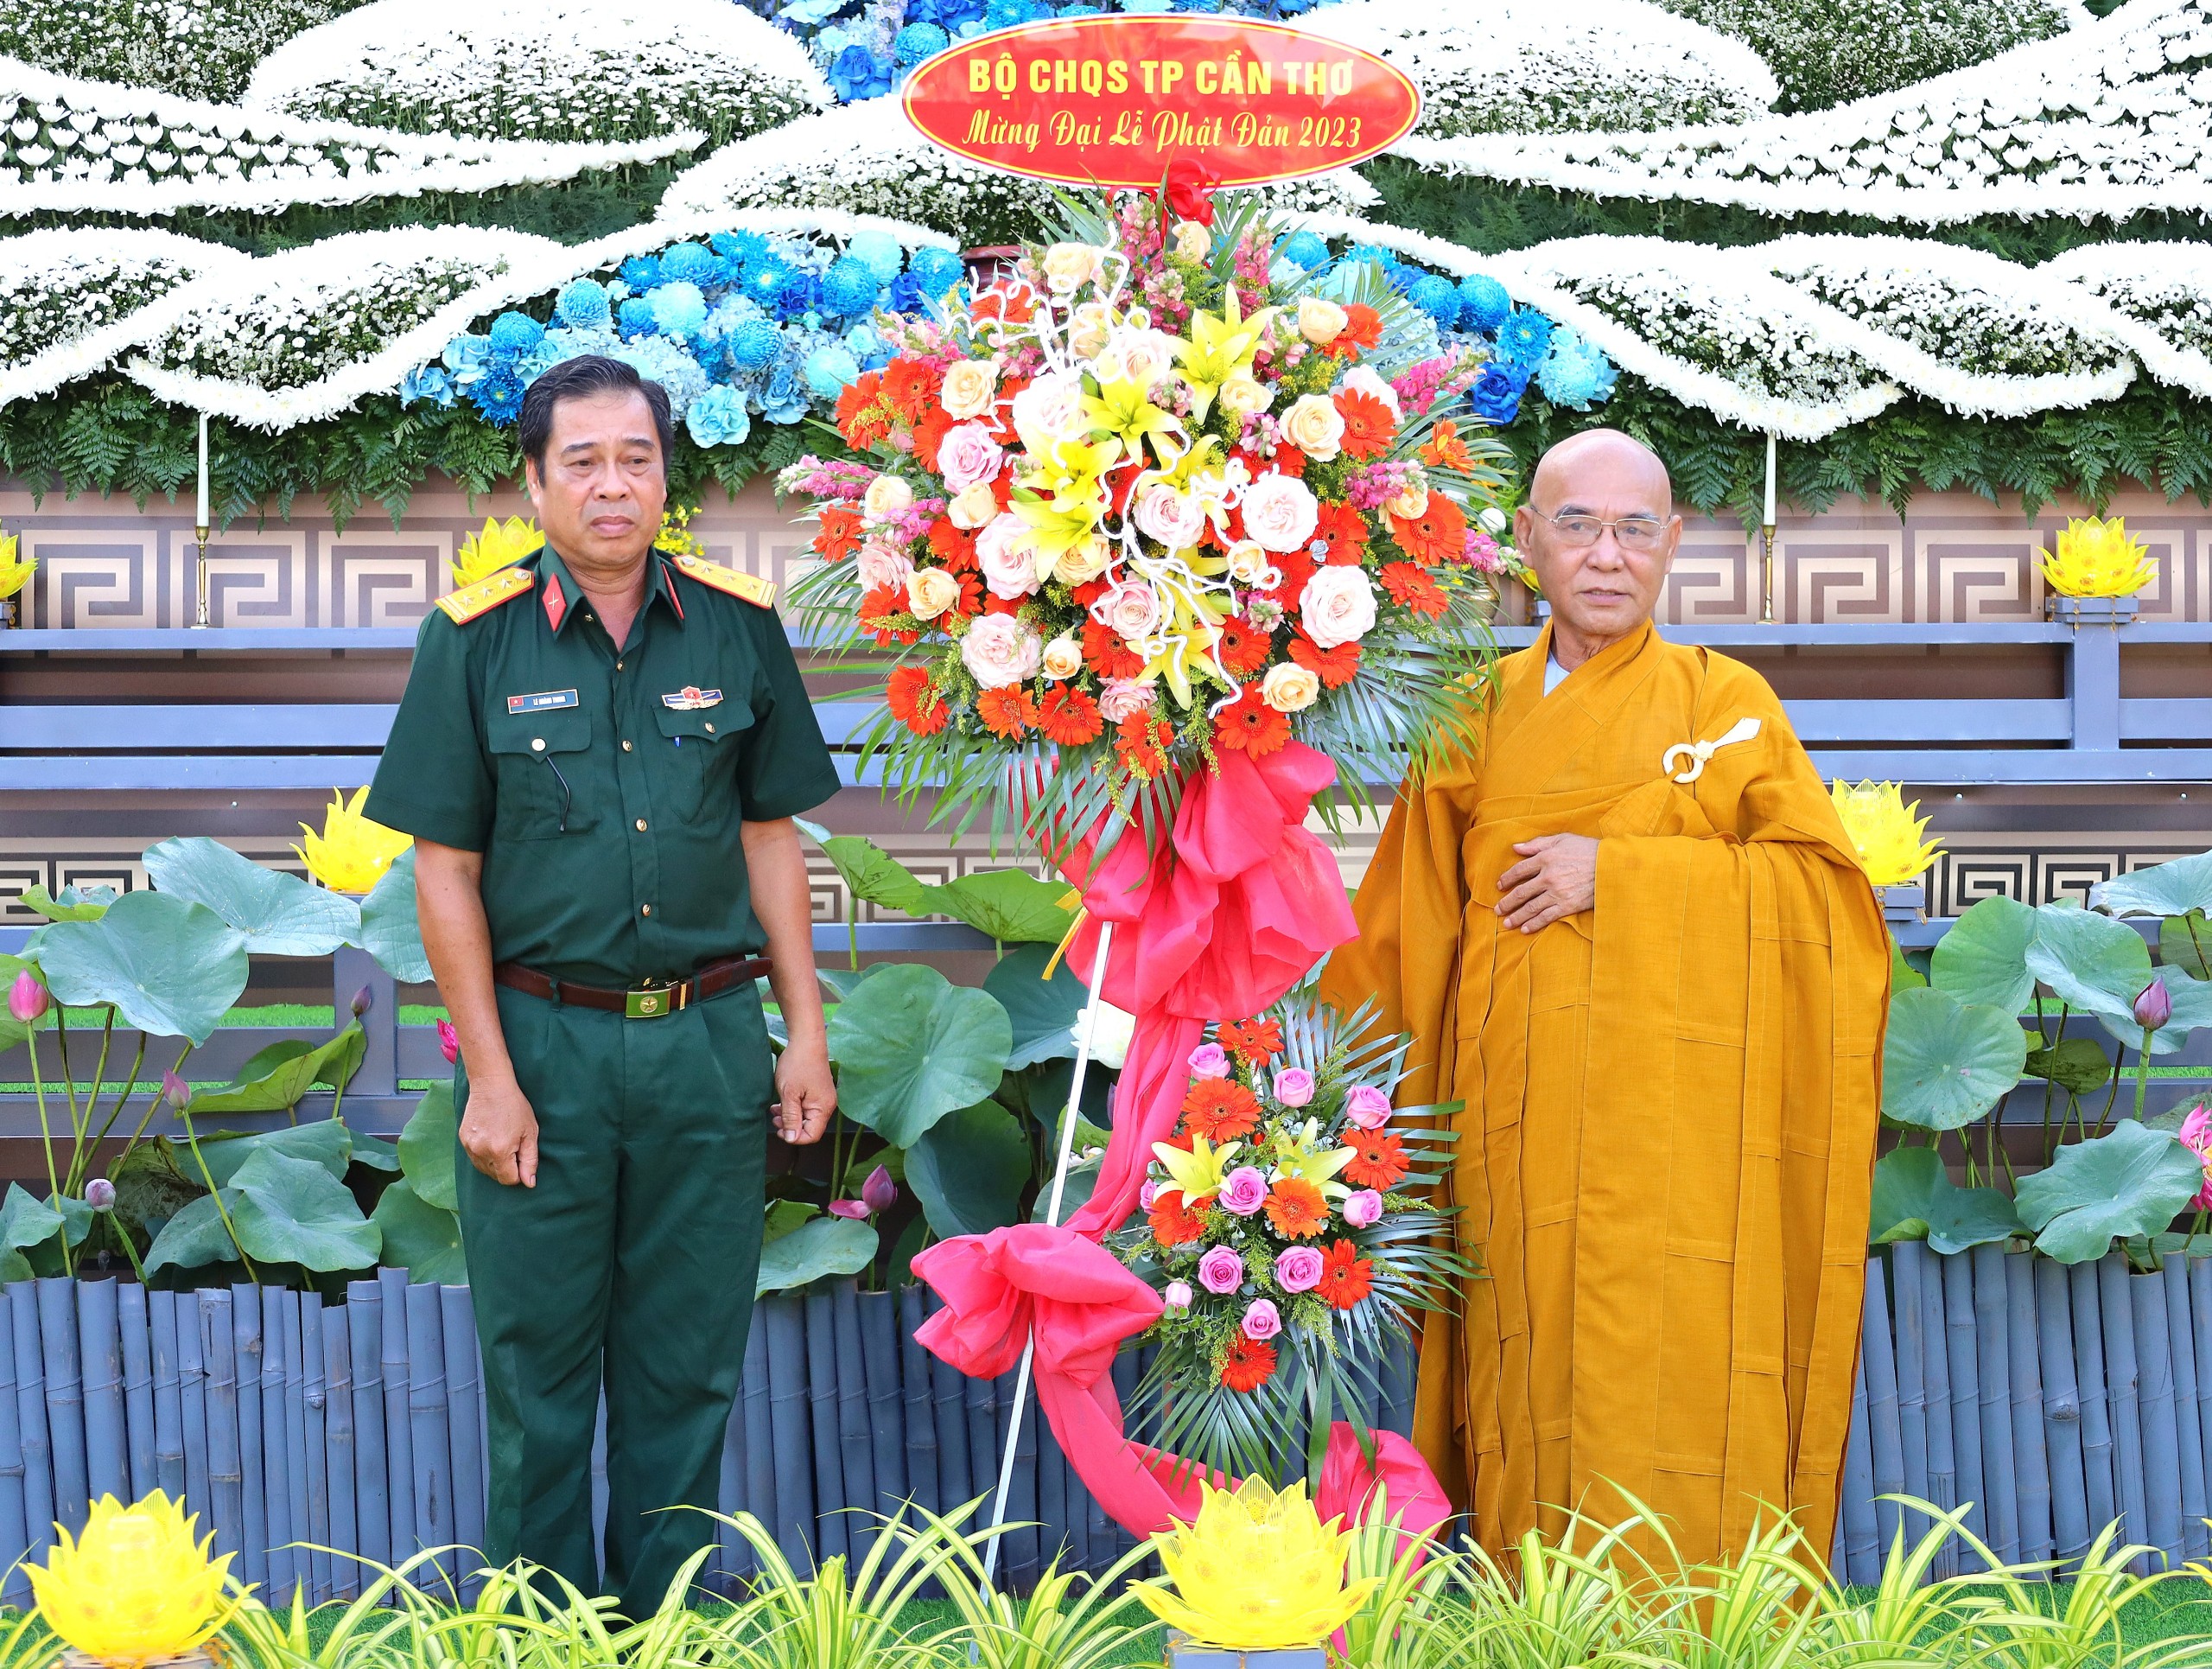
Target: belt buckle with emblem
649	1001
691	699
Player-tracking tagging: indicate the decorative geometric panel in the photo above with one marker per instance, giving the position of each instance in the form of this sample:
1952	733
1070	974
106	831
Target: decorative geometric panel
1714	579
1979	574
89	578
256	579
374	578
1836	576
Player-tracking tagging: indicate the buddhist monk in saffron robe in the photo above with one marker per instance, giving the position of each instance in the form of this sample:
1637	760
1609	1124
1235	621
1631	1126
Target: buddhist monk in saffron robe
1625	927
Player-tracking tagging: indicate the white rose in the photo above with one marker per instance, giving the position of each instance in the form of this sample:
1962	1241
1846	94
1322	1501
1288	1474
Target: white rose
1002	552
1337	607
1063	657
1081	561
1129	610
880	564
1174	518
1314	426
1319	322
1243	396
1249	563
999	650
887	496
929	592
1494	521
1192	241
1280	512
1363	380
971	388
1087	330
1068	266
967	457
1111	1029
1289	688
1141	357
1050	410
971	509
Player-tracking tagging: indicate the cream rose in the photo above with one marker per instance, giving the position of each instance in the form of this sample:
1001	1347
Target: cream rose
1050	410
1192	241
1279	513
1002	552
1087	330
971	388
968	457
1314	426
1320	322
1337	606
887	496
1249	563
1068	266
1063	657
1124	698
1143	357
1176	519
1081	561
1411	501
1363	379
999	650
1130	611
1243	396
1289	688
879	564
972	508
929	592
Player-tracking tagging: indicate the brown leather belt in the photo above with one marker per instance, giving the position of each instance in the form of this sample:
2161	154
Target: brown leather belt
649	1001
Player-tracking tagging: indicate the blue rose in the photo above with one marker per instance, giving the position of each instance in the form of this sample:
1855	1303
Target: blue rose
467	356
1496	397
428	382
856	72
718	417
785	400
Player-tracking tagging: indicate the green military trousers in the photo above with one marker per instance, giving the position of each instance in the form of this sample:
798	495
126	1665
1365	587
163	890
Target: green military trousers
631	1262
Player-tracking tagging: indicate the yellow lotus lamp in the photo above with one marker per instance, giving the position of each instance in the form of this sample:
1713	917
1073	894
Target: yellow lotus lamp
133	1587
495	546
1884	832
351	853
2099	558
14	574
1255	1572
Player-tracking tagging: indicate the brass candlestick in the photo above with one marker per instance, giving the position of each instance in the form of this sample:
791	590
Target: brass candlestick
1767	575
199	566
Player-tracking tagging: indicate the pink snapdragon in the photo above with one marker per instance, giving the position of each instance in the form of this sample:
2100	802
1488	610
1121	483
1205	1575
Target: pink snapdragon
1371	486
821	478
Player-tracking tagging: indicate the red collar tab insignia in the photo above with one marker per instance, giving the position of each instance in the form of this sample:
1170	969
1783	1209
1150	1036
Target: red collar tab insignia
557	603
462	606
667	589
749	587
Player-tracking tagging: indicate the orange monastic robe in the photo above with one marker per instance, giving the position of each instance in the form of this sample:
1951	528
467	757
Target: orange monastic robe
1668	1142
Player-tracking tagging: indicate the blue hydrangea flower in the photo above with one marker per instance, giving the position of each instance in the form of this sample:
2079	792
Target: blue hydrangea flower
497	393
1305	248
583	305
640	271
742	248
849	288
658	359
752	344
1370	255
856	72
906	294
919	41
562	343
1003	14
1483	303
1148	5
830	369
799	294
679	309
936	270
634	318
946	14
879	251
1438	298
1495	396
689	263
1523	337
1576	372
718	417
428	382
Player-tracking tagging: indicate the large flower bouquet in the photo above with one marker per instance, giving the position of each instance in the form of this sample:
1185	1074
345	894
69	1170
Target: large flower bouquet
1289	1223
1153	495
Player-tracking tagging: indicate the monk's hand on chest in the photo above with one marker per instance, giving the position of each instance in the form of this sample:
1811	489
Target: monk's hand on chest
1556	877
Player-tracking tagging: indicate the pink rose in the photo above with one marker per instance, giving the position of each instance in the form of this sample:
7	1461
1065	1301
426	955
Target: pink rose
1293	1086
1147	1194
1242	1191
1221	1270
1298	1270
1178	1295
1000	650
1209	1061
1130	609
1367	1106
968	457
1262	1320
1338	606
1124	698
880	564
1001	553
1280	514
1173	518
1363	1208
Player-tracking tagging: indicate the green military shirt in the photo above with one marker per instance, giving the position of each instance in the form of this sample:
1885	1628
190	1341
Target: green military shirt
604	787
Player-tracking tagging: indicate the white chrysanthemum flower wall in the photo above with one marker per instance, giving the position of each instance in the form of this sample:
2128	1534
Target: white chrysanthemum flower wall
201	49
545	69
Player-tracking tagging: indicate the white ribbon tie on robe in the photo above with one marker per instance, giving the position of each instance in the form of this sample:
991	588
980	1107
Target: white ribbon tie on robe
1698	753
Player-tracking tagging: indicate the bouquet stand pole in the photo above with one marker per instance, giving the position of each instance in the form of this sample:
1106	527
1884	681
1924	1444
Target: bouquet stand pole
1084	1031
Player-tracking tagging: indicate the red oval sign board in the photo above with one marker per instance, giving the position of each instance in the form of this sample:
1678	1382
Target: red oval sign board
1113	100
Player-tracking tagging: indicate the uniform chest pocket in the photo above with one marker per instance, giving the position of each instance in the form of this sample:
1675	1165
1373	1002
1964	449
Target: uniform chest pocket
698	764
539	759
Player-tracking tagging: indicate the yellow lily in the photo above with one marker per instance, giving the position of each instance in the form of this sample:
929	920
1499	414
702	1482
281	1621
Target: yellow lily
1062	499
1220	347
1124	409
1301	1154
13	574
1181	655
1199	1172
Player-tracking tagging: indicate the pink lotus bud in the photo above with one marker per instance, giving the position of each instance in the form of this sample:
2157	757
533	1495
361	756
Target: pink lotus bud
852	1208
2154	1004
1243	1191
879	1191
1299	1268
1293	1086
27	998
1209	1061
1178	1295
364	1000
176	1091
1367	1106
1221	1270
1262	1320
99	1193
448	1041
1363	1208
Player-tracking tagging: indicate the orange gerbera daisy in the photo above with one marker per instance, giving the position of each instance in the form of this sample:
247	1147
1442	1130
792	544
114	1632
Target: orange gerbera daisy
1446	449
1378	1158
1070	718
1249	1364
1346	1277
1334	667
1363	328
1172	1222
1410	584
1221	1110
1296	1209
1343	529
839	534
953	546
1251	726
861	417
1106	653
914	703
1007	712
910	388
930	431
1437	535
877	609
1255	1041
1140	744
1244	646
1368	424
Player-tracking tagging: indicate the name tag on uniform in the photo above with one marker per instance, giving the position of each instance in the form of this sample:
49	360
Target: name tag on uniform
543	701
690	698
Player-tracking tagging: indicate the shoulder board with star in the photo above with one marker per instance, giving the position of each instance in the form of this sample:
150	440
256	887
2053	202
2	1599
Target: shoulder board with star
462	606
748	588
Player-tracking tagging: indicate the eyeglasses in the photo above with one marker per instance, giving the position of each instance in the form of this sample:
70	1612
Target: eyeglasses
1633	532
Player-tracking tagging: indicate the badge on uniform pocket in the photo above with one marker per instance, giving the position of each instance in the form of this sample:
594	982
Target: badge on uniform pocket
692	698
543	701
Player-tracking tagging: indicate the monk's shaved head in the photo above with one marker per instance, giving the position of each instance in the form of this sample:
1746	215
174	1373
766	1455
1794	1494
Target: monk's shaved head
1599	530
1608	453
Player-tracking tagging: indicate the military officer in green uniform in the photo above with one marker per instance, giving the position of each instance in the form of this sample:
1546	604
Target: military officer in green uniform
600	753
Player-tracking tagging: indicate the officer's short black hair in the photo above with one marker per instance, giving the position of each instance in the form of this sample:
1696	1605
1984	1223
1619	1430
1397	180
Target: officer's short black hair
581	378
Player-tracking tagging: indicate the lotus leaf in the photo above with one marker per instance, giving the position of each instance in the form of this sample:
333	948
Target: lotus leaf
1983	958
910	1046
968	1171
169	967
389	931
2174	887
421	1239
280	914
2132	1181
826	1246
1915	1199
1945	1063
1043	1011
426	1148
